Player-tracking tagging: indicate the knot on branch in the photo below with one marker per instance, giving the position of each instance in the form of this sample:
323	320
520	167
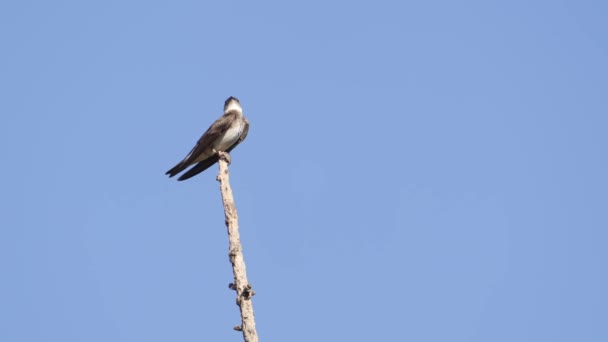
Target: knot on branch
238	328
236	250
247	292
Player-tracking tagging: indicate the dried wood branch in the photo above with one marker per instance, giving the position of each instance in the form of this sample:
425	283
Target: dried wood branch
241	285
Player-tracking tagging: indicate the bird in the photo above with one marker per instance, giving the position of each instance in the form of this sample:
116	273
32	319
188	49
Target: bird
222	136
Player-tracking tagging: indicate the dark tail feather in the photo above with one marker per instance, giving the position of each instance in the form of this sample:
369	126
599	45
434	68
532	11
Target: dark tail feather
200	167
176	169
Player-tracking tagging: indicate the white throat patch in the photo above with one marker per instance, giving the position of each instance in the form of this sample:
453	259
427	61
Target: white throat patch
234	106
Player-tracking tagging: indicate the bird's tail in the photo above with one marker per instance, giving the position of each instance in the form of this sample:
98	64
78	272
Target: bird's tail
176	169
200	167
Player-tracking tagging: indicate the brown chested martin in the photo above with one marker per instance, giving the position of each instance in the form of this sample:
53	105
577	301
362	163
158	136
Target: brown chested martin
222	136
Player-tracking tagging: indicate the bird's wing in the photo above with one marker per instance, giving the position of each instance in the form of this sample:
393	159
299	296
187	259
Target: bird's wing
207	139
242	136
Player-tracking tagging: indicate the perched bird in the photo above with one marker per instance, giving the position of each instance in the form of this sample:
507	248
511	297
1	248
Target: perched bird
222	136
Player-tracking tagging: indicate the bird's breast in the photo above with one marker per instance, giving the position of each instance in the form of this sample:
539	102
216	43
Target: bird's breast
230	137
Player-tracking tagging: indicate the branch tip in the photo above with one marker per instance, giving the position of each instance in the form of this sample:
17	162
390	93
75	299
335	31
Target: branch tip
224	156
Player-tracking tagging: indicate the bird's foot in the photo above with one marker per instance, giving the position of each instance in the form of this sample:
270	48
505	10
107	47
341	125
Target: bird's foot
224	156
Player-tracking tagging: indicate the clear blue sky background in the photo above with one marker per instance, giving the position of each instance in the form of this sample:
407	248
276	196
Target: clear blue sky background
415	171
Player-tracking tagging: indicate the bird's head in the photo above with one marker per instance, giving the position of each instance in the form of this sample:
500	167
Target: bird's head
232	103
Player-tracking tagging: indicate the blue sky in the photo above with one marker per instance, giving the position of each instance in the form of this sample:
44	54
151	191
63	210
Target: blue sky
414	171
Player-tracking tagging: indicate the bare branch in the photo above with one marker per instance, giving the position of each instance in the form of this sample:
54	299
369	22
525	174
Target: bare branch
240	285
